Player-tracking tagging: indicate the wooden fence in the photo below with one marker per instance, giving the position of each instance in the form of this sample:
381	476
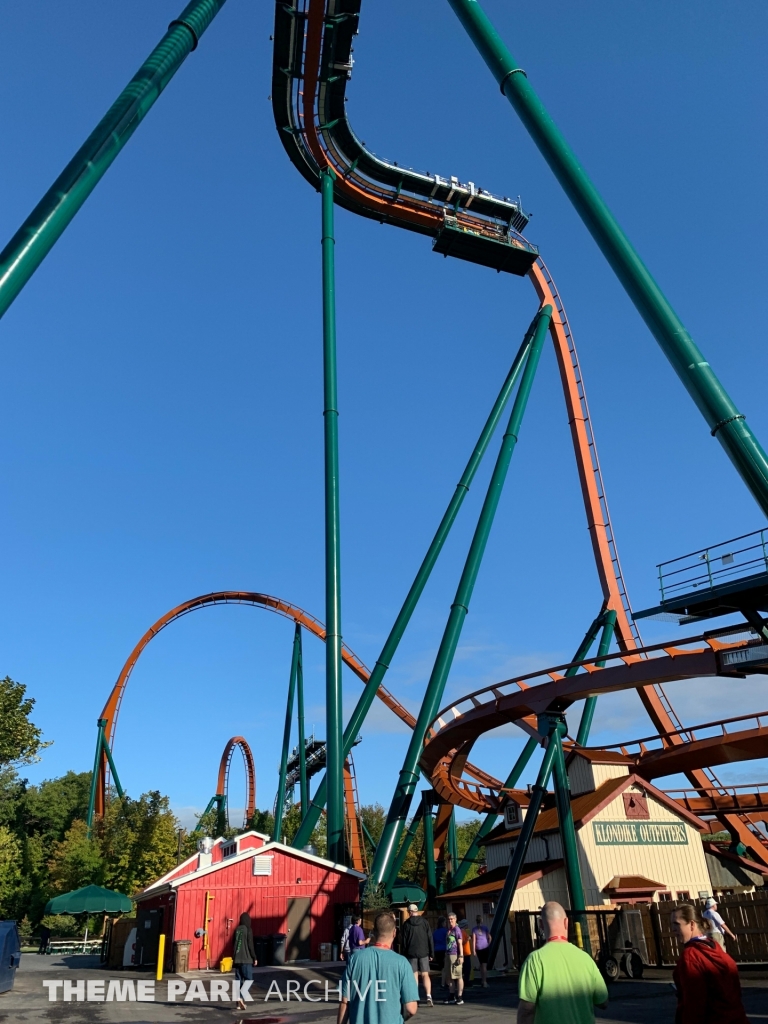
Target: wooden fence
648	928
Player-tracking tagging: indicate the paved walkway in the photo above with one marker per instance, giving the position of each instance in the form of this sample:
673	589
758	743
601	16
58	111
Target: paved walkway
632	1002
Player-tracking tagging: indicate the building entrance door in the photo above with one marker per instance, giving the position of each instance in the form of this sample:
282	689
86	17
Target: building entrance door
297	940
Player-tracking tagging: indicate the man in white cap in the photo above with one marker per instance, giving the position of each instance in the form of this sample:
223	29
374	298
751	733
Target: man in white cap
417	946
719	929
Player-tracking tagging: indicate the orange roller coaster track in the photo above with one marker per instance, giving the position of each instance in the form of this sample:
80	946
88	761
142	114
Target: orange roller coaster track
238	597
222	786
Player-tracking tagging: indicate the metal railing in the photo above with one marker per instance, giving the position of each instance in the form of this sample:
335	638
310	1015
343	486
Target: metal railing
707	568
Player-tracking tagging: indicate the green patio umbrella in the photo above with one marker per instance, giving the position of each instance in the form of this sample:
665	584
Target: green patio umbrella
91	899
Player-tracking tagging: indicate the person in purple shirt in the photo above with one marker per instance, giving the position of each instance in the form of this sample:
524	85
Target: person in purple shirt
481	940
357	939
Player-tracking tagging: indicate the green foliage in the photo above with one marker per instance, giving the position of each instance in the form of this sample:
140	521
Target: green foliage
63	926
291	823
138	841
20	740
374	818
375	898
263	821
75	861
50	808
465	833
10	874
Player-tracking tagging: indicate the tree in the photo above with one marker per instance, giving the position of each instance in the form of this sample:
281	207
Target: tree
138	840
465	833
75	861
20	740
10	874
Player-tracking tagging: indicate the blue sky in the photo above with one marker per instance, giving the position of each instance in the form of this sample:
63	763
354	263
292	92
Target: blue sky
162	391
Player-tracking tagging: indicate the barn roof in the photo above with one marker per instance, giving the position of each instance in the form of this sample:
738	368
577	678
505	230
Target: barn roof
167	883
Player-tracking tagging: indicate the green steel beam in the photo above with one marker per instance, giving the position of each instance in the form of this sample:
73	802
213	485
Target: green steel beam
429	849
334	724
501	915
722	417
102	746
105	747
409	773
211	802
277	833
303	783
384	660
524	758
44	226
589	704
567	828
586	644
452	851
221	813
410	835
95	774
490	818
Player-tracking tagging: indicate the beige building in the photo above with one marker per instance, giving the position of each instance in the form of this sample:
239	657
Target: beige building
635	844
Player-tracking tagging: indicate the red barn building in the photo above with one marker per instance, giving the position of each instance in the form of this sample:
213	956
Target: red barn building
285	891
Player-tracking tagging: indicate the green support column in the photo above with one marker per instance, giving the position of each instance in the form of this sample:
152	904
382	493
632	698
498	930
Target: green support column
429	849
303	784
452	850
334	725
95	774
221	813
102	747
514	871
491	817
405	845
722	417
409	773
211	802
384	660
568	831
43	227
589	704
525	756
277	833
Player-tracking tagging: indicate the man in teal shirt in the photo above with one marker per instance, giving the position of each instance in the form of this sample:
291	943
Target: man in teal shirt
378	985
559	983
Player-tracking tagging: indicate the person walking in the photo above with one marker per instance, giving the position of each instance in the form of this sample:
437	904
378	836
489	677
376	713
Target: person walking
454	963
719	929
438	941
378	986
706	978
243	953
466	948
356	939
417	946
559	983
481	939
45	938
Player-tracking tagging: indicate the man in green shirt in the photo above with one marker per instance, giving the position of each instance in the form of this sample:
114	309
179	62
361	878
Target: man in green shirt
559	983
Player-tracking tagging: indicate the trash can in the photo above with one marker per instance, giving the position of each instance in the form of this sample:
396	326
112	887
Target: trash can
278	950
10	954
263	946
181	955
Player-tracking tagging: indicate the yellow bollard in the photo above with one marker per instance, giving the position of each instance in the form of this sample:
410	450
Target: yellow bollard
160	958
577	932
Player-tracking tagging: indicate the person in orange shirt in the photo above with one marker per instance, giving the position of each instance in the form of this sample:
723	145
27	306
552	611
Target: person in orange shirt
467	949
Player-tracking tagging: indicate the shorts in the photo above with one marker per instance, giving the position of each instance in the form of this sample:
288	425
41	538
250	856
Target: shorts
451	968
439	959
419	964
482	955
718	937
244	972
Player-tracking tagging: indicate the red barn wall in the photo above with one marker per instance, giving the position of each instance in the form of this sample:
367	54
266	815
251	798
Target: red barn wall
235	889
